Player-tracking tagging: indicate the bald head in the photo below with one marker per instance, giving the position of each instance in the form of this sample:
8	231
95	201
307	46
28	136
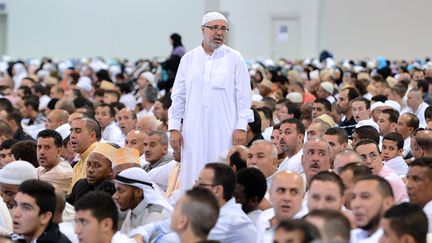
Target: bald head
56	118
135	139
147	123
345	157
286	194
424	140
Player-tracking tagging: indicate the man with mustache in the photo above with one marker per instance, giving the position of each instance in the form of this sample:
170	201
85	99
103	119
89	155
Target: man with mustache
371	156
316	157
211	100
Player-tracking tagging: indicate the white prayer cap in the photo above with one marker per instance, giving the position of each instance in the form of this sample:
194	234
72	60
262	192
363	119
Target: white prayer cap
328	87
137	177
393	104
257	98
150	77
16	172
85	84
376	105
210	16
295	97
368	122
64	130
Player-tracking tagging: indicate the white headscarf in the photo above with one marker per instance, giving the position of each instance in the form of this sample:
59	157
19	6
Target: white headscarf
137	177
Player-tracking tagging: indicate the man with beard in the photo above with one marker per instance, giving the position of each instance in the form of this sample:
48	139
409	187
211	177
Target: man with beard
343	106
211	100
372	196
291	141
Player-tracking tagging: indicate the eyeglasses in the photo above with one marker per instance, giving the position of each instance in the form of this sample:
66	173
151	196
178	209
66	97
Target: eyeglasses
216	28
371	156
199	184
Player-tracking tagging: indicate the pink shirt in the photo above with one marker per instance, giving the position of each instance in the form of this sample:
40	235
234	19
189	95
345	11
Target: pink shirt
398	186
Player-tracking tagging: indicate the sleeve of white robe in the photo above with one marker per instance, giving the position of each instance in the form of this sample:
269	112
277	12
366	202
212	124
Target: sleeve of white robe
178	97
243	95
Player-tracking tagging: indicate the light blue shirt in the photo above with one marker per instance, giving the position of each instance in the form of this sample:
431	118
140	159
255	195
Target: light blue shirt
233	226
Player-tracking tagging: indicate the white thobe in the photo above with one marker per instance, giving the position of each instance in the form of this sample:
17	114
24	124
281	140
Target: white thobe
160	174
113	134
293	163
399	165
212	95
362	236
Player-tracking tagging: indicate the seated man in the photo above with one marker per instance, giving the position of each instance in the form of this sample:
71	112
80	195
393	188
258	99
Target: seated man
326	191
33	212
111	133
99	173
405	222
232	225
286	195
196	213
97	218
136	193
11	176
250	190
332	225
392	149
52	168
160	161
296	230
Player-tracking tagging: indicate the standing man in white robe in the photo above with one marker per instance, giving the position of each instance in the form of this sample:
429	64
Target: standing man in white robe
212	95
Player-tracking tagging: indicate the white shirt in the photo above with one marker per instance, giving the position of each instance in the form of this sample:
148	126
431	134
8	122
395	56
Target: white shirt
128	100
361	236
254	215
43	102
399	165
120	237
212	95
68	229
419	113
293	163
265	232
427	209
267	133
232	226
113	134
144	112
406	147
160	174
5	219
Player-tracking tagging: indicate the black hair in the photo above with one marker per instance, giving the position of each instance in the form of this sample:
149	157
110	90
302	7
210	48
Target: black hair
47	133
367	132
410	219
256	124
236	160
396	137
43	193
325	103
310	232
393	114
329	176
300	128
110	108
224	176
253	181
384	186
341	134
101	206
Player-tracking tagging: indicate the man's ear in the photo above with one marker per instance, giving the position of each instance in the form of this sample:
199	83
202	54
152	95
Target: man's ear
400	151
106	224
46	218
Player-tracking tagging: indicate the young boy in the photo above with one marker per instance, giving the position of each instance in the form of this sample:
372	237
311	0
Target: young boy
392	148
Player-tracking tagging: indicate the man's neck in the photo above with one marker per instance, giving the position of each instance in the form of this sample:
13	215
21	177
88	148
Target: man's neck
35	235
297	149
48	168
189	237
147	105
348	115
207	49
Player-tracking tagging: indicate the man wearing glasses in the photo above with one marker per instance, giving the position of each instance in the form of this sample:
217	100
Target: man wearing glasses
211	100
371	156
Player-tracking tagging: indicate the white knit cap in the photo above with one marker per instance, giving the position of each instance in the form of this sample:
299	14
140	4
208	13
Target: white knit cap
295	97
368	122
150	77
210	16
16	172
137	177
85	84
328	87
376	105
393	104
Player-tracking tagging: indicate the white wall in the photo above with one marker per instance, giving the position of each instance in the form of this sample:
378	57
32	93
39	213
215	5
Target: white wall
368	28
140	28
109	28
